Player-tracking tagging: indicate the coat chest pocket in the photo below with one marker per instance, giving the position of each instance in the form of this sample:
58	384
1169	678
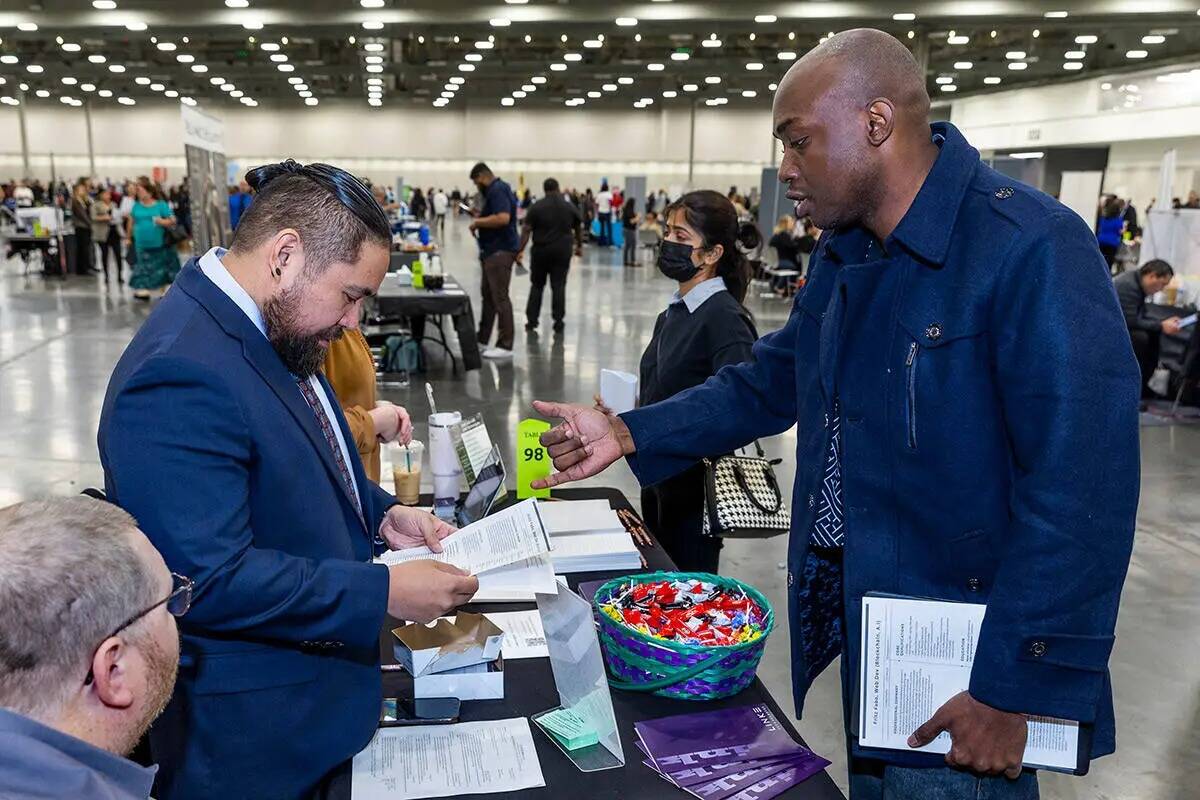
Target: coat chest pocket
940	357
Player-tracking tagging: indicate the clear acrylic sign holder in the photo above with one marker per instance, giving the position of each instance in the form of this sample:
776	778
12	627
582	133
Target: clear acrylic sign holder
580	678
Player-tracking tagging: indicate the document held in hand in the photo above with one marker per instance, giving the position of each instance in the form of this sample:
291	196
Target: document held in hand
916	655
505	537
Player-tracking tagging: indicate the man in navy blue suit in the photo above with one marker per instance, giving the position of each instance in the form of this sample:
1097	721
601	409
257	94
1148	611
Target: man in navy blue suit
225	442
966	401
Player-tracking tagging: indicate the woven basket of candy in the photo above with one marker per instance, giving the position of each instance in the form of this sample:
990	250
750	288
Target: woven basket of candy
687	635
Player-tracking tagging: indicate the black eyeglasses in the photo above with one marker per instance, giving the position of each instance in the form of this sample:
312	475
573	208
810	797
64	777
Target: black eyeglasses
177	602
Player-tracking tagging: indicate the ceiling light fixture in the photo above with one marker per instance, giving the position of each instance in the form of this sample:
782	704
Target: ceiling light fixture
592	44
713	80
690	87
135	26
252	24
126	101
36	69
572	57
310	101
528	87
158	87
1073	65
943	79
609	87
538	79
372	25
69	81
518	94
1153	39
184	58
279	58
171	93
786	55
963	64
748	93
1018	65
42	93
1056	15
711	42
292	68
754	66
1015	55
237	3
1074	55
500	22
27	27
1086	38
626	22
669	93
104	5
625	80
1136	53
142	80
199	69
656	67
680	55
959	39
557	67
88	87
371	3
71	47
166	47
96	58
471	67
904	16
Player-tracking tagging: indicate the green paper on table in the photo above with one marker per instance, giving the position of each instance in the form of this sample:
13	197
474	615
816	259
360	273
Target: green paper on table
568	728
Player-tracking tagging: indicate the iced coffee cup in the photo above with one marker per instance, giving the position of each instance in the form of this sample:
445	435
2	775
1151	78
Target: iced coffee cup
406	472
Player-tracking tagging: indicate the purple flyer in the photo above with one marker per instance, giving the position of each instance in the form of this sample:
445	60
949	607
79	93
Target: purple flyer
780	782
735	734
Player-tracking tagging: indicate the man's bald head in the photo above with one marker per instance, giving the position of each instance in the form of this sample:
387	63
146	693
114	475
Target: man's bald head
864	64
847	112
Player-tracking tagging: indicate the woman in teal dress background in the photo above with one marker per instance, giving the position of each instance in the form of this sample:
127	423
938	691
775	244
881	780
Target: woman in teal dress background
156	263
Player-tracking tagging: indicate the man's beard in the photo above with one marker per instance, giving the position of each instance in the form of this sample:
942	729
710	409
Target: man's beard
162	668
302	354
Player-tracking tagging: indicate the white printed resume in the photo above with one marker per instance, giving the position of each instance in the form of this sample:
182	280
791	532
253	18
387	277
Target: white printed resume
916	655
503	538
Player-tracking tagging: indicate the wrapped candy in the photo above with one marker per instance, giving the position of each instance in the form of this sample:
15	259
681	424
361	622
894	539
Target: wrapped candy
691	612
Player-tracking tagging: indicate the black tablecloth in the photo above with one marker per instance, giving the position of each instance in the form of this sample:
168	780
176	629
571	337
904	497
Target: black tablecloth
394	300
529	688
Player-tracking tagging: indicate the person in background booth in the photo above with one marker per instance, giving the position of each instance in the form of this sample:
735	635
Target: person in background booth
1133	288
705	327
156	263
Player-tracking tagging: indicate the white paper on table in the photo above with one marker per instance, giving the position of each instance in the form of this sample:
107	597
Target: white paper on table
618	390
523	634
445	760
578	516
597	551
517	582
503	538
916	655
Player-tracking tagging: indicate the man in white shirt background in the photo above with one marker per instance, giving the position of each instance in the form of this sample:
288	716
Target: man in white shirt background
604	209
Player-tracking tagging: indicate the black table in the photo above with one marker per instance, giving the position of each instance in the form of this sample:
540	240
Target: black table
529	688
394	300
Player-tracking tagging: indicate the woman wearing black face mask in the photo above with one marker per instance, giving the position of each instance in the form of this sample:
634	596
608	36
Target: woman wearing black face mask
705	327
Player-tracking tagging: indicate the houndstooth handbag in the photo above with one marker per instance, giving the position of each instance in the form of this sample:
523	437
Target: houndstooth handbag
742	498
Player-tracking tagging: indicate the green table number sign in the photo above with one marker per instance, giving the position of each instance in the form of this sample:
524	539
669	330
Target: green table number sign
533	461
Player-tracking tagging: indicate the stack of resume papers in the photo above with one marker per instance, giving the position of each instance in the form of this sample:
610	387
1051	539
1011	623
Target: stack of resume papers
731	754
587	536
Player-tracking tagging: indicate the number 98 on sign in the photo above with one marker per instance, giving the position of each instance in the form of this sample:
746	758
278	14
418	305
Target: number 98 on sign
533	462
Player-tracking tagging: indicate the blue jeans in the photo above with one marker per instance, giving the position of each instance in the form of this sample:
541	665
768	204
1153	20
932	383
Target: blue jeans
605	229
909	783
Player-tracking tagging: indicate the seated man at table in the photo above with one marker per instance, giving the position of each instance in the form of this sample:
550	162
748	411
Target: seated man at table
88	649
221	436
1146	334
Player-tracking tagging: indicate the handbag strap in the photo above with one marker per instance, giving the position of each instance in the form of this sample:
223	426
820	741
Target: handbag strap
770	478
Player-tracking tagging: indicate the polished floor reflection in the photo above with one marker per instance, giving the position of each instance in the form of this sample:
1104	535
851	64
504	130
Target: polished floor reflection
59	341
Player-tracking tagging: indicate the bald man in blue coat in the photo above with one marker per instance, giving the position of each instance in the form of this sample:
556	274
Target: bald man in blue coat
966	400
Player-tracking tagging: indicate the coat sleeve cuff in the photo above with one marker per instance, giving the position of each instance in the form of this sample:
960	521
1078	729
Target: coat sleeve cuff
649	466
368	603
1045	674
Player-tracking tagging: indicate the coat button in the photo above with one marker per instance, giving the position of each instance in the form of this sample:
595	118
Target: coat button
1037	649
934	331
973	584
1005	192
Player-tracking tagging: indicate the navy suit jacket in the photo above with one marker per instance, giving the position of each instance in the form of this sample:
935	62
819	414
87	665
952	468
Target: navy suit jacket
207	441
989	399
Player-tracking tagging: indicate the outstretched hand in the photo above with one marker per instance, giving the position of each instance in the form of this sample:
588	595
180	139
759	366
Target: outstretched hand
584	444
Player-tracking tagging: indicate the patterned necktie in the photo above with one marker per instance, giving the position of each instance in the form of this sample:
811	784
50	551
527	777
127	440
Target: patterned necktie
828	528
306	389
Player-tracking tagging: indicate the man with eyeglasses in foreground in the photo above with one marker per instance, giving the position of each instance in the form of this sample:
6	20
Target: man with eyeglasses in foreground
88	649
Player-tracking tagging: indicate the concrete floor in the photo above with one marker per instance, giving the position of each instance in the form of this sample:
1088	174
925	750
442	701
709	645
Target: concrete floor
59	341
